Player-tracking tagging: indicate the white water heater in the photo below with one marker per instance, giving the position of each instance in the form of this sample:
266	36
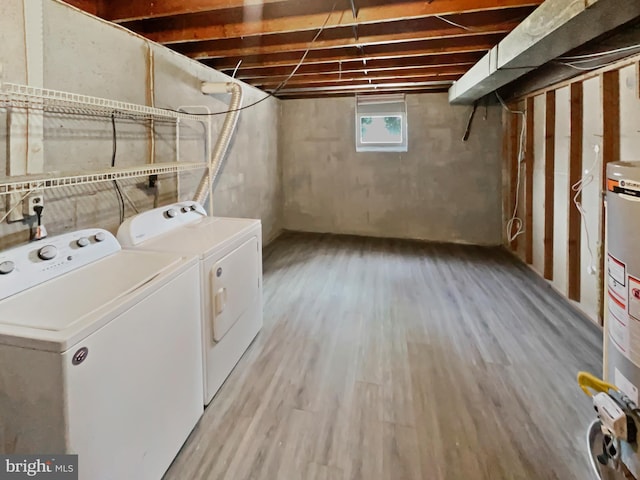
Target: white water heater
622	293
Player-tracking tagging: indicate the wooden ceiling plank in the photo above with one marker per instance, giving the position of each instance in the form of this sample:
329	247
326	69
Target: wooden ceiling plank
364	89
180	29
395	76
386	72
414	49
121	11
302	96
461	67
363	81
409	36
443	60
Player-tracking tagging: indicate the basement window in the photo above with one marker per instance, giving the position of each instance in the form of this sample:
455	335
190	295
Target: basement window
381	123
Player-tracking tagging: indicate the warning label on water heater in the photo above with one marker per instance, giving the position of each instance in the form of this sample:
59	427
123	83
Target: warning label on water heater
617	304
623	295
625	187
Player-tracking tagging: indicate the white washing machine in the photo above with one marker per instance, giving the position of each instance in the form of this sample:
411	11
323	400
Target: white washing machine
230	252
100	354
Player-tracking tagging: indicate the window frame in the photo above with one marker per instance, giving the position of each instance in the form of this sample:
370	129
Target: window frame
381	106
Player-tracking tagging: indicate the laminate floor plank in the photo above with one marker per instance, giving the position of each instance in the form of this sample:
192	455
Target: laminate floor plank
390	359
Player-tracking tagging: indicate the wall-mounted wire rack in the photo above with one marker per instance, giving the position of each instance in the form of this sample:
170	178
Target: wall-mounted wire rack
14	96
24	96
28	183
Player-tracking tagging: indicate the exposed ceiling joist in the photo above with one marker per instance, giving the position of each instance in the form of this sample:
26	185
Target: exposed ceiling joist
359	79
366	87
455	71
335	47
355	65
215	51
120	11
404	50
190	28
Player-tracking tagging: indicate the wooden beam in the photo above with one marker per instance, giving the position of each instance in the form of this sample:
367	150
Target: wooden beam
120	11
391	77
367	87
515	168
261	46
549	181
357	82
342	93
610	87
575	174
377	73
211	26
91	6
529	159
506	176
413	49
352	65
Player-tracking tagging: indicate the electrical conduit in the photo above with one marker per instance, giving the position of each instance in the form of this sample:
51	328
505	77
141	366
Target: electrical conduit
205	188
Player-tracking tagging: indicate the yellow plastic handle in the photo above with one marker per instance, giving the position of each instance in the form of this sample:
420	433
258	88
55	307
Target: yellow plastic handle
589	382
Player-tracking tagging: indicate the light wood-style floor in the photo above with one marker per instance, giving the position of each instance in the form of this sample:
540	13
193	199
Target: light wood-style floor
385	359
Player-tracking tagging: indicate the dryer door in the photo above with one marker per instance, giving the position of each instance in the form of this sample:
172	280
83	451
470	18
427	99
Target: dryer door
234	286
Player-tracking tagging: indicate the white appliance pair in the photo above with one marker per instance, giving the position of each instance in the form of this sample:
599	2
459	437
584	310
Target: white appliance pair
100	354
230	254
104	351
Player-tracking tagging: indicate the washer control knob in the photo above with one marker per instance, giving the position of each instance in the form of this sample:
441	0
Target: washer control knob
48	252
100	237
7	267
185	209
82	242
171	213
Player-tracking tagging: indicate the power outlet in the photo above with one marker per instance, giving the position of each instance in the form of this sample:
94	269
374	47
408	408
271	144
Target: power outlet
31	201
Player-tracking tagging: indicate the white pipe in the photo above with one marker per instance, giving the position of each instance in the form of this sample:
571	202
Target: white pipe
205	189
206	123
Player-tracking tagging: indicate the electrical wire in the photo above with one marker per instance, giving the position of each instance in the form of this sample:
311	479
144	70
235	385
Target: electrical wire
586	69
113	164
280	86
515	221
450	22
578	188
600	54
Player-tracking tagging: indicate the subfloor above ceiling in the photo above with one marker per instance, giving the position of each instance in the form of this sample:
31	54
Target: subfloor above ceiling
301	48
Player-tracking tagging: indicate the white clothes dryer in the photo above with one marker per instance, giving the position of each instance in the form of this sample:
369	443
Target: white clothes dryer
230	252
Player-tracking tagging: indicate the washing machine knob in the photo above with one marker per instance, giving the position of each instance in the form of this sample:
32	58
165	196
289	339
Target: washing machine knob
186	209
100	237
48	252
82	242
7	267
171	213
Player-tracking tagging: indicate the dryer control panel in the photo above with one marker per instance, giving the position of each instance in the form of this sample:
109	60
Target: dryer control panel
28	265
152	223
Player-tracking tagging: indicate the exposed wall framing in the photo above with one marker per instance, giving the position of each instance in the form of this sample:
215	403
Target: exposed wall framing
549	192
555	181
575	173
528	204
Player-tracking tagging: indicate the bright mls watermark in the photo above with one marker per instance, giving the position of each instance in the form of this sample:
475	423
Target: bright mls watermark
50	467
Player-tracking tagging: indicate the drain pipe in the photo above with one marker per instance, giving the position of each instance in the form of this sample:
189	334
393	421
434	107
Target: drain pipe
205	189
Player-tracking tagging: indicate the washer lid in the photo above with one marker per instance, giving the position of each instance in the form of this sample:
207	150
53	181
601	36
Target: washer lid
204	237
56	314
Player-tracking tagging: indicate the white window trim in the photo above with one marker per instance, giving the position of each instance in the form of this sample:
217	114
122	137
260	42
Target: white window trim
381	106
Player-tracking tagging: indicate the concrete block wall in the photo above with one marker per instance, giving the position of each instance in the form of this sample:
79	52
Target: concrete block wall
66	49
442	189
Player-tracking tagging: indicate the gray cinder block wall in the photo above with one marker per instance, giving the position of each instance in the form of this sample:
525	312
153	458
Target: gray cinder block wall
442	189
